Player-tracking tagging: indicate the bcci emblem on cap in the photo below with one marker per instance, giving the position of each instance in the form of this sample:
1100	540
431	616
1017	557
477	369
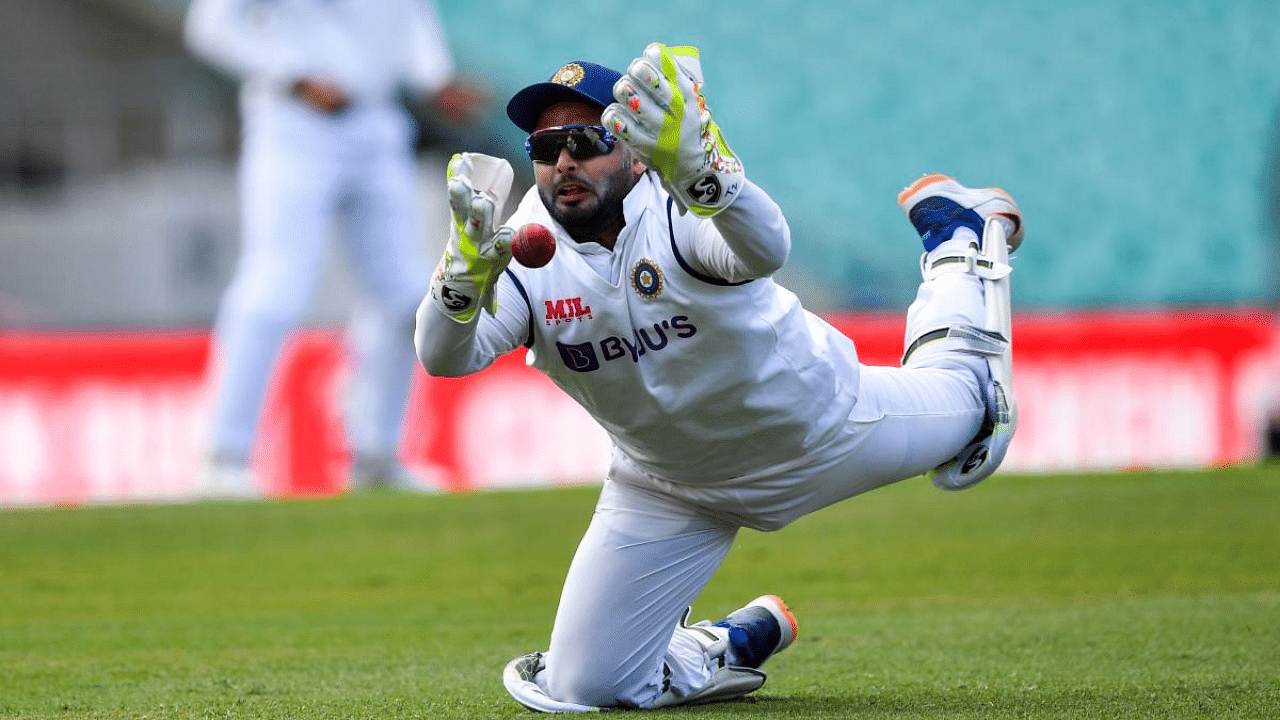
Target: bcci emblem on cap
569	75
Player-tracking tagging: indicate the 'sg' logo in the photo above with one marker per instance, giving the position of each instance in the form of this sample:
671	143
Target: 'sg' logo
974	461
454	300
705	190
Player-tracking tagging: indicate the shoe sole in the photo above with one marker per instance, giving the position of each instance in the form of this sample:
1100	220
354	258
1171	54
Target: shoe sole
915	192
786	621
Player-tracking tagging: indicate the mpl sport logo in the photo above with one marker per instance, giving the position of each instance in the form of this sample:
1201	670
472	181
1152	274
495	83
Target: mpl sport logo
566	310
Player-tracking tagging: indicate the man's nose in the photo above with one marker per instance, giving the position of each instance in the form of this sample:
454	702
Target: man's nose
564	160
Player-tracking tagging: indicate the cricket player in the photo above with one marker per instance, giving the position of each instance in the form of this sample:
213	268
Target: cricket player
327	141
727	403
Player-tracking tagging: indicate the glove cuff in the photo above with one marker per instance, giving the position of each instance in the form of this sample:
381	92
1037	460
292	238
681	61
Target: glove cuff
460	296
709	194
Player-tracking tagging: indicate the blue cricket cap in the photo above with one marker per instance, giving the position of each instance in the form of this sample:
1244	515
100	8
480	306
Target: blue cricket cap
578	81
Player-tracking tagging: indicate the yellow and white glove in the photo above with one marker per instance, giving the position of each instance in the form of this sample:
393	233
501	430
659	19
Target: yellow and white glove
662	116
478	249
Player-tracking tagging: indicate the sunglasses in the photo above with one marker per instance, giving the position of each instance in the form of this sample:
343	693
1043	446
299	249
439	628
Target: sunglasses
583	141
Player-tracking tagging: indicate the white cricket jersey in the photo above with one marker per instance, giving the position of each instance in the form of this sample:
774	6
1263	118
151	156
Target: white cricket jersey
697	380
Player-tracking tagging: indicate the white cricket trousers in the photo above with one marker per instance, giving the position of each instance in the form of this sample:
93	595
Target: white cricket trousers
291	198
653	545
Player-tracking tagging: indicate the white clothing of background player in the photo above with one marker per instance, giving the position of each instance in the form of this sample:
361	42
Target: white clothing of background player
325	137
728	404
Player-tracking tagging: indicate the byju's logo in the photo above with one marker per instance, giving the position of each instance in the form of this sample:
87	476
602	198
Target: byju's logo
584	357
566	310
579	358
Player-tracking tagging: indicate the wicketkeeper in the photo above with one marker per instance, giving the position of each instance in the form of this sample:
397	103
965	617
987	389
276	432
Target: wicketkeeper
728	404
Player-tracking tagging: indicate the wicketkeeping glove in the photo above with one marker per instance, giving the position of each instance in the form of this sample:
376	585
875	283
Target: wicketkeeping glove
662	116
478	250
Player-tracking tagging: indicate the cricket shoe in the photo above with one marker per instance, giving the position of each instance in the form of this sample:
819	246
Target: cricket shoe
228	479
759	630
937	205
385	472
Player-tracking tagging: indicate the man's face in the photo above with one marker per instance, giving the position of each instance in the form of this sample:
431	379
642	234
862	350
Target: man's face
585	196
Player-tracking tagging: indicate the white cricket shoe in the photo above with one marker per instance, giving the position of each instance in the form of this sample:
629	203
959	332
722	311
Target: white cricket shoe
759	630
936	205
382	471
222	479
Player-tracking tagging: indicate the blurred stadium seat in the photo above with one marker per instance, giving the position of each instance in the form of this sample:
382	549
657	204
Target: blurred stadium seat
1133	134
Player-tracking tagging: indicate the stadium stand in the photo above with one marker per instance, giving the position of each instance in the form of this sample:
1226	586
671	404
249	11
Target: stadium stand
1133	134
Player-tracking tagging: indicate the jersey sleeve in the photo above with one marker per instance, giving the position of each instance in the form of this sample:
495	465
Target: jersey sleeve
239	37
431	64
452	349
749	239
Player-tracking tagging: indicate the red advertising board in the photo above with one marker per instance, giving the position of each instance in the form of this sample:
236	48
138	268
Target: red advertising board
119	417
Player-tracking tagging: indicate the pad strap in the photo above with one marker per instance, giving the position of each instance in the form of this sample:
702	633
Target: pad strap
962	338
970	260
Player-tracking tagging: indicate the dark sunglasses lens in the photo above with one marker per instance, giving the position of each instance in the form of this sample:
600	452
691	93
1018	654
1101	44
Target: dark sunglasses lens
545	147
582	143
588	142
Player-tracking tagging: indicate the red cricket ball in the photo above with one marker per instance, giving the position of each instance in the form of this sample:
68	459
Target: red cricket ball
533	245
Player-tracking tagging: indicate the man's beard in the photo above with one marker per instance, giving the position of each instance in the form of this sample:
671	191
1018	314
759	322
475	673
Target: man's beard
596	214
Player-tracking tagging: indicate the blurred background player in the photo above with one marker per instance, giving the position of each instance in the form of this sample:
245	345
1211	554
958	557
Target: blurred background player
326	138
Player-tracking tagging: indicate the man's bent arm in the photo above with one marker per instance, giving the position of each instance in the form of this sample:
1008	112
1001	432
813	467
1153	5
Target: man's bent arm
749	239
448	348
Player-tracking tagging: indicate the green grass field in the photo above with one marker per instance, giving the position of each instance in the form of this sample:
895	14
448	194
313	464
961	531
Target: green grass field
1141	595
